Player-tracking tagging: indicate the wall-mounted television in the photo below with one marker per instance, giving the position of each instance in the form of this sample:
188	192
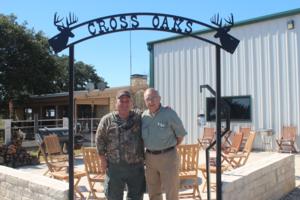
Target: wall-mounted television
240	108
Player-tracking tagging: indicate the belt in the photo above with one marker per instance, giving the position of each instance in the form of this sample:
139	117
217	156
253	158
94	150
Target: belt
159	151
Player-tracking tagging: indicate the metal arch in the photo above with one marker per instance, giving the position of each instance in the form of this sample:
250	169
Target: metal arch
148	14
144	29
60	41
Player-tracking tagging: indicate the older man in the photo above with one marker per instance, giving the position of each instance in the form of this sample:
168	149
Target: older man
120	146
162	130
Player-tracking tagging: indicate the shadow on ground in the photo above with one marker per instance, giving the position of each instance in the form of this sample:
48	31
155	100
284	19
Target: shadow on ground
294	195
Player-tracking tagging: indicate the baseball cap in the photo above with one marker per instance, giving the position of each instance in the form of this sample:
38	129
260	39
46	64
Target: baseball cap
123	93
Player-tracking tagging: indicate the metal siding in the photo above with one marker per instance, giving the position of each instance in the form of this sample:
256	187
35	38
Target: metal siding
265	66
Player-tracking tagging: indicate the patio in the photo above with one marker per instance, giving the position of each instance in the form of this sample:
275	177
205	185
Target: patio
254	157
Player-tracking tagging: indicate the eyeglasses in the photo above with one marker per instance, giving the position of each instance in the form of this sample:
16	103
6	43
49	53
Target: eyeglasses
151	98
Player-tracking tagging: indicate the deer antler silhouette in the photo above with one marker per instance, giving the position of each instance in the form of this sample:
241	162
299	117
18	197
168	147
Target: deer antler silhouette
230	21
60	41
227	41
69	21
216	20
73	19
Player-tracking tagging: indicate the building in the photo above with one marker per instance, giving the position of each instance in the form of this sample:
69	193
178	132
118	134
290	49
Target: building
265	66
88	103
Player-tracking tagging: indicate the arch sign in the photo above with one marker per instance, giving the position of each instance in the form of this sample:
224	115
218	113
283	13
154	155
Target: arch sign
71	34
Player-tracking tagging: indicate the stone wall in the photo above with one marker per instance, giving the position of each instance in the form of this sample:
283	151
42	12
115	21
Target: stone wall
18	185
269	178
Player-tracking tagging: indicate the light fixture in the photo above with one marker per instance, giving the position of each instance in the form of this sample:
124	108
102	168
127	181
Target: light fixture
290	24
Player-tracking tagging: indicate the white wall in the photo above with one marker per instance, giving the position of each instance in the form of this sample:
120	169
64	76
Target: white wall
265	66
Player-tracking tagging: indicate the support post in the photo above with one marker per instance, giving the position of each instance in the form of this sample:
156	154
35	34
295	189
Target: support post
36	123
218	124
71	138
7	131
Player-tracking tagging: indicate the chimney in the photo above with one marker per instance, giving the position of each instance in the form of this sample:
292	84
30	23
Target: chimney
138	80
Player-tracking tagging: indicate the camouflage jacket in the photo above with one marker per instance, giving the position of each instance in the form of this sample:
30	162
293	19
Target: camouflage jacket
119	140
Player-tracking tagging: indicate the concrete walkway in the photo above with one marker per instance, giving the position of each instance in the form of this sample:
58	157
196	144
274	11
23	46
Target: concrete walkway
254	156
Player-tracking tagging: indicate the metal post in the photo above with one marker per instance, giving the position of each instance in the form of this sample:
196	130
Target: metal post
92	126
71	138
218	124
207	173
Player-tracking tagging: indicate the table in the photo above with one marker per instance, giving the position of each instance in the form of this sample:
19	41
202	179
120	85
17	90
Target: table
266	138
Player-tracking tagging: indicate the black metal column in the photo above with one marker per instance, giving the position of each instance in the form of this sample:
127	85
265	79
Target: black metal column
218	124
71	138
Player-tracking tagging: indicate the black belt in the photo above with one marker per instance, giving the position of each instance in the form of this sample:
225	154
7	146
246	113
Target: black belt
159	151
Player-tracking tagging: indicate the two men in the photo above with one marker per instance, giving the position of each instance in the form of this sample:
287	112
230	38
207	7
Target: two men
120	146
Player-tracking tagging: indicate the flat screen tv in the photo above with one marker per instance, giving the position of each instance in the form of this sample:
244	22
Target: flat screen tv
240	108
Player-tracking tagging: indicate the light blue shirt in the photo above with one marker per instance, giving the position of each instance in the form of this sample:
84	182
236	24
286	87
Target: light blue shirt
160	130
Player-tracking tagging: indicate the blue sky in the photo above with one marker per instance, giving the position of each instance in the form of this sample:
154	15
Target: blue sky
109	54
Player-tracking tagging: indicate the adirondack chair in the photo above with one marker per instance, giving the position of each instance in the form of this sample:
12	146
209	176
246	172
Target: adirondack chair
287	139
92	167
240	158
207	137
188	169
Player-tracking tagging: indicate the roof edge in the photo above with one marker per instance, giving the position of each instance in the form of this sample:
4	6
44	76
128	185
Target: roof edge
240	23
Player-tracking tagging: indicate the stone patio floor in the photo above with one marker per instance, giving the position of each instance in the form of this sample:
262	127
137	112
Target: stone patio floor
254	156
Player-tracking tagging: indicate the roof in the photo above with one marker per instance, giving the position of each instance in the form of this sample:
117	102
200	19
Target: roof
241	23
76	93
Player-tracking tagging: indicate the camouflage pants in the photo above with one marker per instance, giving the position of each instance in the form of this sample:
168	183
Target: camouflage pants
119	175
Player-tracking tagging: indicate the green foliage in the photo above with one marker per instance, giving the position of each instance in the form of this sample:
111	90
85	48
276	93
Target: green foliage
84	73
28	66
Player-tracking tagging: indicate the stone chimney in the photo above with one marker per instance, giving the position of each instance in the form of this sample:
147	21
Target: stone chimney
138	80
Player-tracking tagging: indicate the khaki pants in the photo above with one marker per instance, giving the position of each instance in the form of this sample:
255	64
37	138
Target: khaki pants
162	175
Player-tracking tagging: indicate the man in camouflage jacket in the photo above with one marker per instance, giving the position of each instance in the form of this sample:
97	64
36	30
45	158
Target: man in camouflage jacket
120	146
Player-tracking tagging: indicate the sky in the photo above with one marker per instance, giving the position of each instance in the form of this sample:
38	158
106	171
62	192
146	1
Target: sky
110	54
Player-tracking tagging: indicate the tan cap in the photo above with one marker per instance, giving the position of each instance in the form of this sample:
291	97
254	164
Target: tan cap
123	93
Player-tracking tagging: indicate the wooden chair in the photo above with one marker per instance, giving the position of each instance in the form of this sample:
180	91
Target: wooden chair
92	167
240	158
207	138
64	176
53	149
188	169
233	148
226	141
213	170
246	133
52	165
57	162
287	139
235	144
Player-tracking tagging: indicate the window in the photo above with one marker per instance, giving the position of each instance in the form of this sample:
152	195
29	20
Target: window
50	112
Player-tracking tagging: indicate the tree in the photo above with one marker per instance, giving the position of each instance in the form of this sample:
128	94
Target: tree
28	66
84	74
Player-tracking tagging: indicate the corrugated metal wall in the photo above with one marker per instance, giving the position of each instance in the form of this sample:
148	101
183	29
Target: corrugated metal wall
265	66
